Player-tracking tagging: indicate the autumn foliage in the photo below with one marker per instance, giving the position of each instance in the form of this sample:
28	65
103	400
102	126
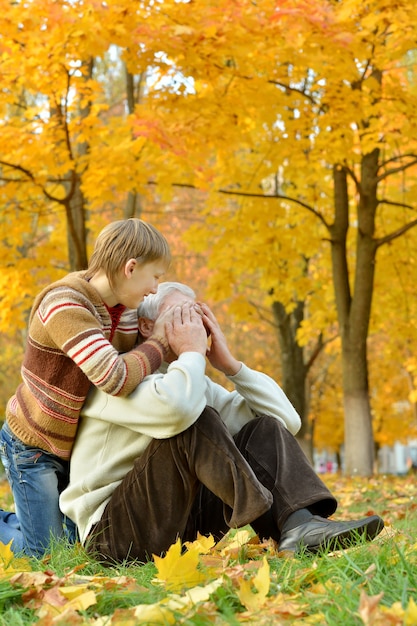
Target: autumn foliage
274	143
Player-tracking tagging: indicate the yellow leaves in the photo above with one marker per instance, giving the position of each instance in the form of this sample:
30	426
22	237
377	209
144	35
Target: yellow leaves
51	598
55	599
204	560
9	565
252	593
164	611
57	602
239	572
410	616
152	614
179	30
178	570
233	544
202	544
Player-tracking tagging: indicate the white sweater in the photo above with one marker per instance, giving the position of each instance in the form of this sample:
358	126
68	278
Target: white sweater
114	431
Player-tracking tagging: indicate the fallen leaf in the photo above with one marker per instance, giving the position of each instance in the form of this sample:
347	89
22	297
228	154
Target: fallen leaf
9	563
410	617
368	607
179	570
252	593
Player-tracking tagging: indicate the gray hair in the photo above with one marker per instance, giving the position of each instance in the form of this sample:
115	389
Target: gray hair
152	303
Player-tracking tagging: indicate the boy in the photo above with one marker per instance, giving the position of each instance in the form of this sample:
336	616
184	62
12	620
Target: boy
78	329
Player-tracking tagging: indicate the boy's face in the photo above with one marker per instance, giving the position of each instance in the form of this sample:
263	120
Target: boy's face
138	281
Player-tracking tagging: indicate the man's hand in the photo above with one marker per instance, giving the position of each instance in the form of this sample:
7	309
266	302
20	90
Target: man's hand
185	330
218	353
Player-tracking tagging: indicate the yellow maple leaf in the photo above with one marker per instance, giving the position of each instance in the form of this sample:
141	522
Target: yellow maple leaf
203	543
178	570
410	617
9	564
252	593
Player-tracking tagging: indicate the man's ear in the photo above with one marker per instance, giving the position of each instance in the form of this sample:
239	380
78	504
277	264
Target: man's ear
145	326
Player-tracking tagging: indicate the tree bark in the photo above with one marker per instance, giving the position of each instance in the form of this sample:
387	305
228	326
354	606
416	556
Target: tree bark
133	207
354	309
75	203
76	228
294	370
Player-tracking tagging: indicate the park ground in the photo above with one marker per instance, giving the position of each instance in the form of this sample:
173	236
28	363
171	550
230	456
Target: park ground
239	581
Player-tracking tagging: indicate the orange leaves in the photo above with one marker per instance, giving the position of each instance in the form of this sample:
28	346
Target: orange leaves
56	599
44	592
51	597
373	613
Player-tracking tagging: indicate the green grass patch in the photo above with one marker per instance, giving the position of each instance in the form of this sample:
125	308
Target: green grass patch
371	583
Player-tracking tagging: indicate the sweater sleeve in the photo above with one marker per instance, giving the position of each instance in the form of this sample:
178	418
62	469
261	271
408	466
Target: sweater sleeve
162	406
255	394
68	322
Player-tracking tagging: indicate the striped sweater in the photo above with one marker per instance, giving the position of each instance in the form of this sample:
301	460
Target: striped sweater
72	344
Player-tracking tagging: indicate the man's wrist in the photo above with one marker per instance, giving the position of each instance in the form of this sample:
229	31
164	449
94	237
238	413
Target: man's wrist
233	369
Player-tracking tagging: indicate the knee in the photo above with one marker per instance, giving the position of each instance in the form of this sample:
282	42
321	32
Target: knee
210	416
264	423
211	425
264	428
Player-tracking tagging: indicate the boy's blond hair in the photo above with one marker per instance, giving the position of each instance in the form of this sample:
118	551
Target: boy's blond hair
123	240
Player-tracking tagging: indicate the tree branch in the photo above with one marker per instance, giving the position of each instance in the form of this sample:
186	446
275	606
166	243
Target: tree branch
398	204
396	233
400	168
247	194
31	177
277	197
301	92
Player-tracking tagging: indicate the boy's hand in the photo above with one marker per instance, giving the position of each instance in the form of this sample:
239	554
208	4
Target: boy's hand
185	330
159	327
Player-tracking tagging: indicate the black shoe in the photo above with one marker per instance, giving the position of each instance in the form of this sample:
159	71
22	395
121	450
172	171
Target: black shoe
320	533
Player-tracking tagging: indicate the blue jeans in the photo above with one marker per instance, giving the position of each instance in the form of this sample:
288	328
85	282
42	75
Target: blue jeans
36	479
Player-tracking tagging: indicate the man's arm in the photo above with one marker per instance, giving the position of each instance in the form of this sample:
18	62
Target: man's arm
218	352
255	392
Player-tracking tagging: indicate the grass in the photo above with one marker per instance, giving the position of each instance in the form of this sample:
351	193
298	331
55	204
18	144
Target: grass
373	584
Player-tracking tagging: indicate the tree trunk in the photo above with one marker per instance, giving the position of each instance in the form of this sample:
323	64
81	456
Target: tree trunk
76	229
294	371
354	309
359	442
133	207
75	203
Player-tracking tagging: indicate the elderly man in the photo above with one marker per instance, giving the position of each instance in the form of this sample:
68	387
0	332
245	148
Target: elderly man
183	454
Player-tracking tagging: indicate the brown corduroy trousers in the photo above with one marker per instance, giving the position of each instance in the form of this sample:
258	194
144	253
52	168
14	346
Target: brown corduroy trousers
205	480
